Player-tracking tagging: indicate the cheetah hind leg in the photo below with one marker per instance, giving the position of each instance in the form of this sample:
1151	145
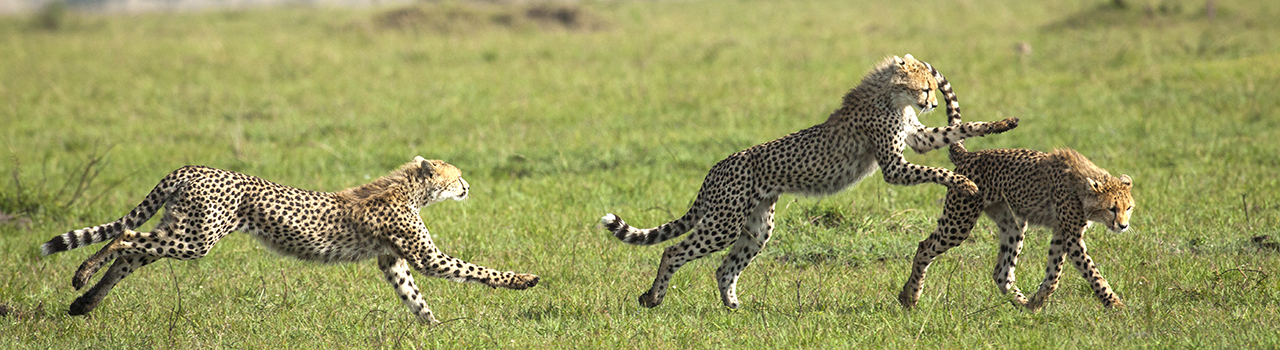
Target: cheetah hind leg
735	261
1012	233
123	266
94	263
959	214
1053	272
675	256
758	228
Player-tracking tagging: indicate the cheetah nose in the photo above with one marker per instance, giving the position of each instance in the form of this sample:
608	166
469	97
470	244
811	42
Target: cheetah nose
1122	227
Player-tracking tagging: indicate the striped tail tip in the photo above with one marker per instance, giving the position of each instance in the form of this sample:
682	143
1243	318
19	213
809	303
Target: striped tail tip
614	224
55	245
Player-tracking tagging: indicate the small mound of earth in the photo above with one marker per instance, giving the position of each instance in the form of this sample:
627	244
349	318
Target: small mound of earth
6	219
452	17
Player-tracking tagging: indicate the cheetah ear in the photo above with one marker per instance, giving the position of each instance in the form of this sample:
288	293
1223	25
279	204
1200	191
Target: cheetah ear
908	56
899	60
1094	185
424	166
1126	180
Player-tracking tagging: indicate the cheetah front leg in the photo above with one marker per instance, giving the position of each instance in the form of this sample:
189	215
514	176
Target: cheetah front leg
959	215
1052	271
924	139
437	264
396	271
423	256
1080	258
898	171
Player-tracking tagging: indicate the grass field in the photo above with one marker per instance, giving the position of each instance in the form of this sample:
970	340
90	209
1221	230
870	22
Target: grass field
557	115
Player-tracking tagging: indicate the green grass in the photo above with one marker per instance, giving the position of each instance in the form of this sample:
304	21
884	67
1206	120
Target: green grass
555	126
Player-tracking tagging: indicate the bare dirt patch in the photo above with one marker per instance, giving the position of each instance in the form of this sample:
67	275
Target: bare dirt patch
7	219
7	310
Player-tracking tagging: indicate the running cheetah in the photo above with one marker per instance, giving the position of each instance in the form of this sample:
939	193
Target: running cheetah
202	205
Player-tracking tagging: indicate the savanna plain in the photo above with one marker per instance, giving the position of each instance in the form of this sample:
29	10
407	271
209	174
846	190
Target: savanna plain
559	113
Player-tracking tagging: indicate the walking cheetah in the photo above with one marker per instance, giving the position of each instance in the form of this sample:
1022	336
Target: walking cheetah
870	129
202	205
1062	190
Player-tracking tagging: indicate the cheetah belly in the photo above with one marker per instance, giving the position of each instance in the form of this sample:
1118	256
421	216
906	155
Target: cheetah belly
848	171
290	230
1037	208
322	247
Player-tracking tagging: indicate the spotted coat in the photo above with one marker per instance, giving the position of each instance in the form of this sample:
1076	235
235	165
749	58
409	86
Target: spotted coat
876	121
1062	191
203	204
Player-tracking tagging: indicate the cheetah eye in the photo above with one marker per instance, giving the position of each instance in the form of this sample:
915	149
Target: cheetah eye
1113	210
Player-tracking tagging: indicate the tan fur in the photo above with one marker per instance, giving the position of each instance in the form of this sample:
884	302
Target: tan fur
379	186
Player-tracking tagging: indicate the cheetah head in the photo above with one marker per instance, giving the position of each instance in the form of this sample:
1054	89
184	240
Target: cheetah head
913	84
440	180
1110	202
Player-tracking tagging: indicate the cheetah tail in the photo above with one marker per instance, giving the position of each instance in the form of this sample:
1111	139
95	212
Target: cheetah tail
953	104
649	236
158	197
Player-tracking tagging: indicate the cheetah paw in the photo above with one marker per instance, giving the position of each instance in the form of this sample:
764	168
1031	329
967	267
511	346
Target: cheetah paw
965	187
1005	125
523	281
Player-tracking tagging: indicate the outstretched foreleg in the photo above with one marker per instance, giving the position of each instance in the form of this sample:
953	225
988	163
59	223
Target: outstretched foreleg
423	256
923	139
898	171
437	264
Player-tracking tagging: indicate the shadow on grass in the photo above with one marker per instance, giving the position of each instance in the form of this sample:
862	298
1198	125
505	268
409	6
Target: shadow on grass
1124	14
